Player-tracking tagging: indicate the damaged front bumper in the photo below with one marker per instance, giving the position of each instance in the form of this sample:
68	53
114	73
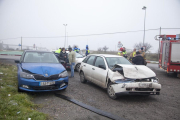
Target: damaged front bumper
137	88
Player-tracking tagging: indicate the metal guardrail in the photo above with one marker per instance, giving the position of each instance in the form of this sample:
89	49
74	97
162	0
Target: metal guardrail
11	47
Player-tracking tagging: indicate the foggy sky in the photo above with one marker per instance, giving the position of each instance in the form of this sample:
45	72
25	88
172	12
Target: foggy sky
45	18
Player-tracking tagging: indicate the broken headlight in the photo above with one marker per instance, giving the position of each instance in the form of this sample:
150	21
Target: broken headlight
26	75
156	80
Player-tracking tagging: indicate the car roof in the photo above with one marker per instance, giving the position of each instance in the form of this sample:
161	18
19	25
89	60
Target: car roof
106	55
36	51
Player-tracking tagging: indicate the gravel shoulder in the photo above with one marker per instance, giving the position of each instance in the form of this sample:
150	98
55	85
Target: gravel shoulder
162	107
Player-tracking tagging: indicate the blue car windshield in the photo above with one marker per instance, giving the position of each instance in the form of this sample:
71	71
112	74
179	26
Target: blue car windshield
111	61
40	57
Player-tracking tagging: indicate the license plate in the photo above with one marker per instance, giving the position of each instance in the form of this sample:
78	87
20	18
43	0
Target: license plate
47	83
144	85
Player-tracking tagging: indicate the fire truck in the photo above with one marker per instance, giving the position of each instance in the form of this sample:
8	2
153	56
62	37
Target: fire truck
169	53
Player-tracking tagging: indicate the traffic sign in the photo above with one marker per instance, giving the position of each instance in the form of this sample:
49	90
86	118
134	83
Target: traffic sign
119	44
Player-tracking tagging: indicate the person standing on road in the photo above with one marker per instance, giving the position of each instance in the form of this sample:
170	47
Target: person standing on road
76	49
58	51
133	54
120	52
87	50
63	56
138	60
72	56
124	52
143	54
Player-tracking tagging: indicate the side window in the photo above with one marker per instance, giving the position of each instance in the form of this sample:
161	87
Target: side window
91	60
85	60
100	63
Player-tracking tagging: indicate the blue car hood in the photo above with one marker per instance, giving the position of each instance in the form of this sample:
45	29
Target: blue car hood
43	68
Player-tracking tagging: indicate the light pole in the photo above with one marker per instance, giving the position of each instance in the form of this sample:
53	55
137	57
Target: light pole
65	35
144	8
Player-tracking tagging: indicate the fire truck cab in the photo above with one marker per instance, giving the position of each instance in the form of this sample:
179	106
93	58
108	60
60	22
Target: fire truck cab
169	54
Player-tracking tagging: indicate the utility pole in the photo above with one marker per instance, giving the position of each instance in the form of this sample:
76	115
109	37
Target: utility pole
159	38
21	43
144	8
65	35
159	44
67	39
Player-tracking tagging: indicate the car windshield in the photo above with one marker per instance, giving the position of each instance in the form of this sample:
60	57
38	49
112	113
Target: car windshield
78	55
111	61
40	57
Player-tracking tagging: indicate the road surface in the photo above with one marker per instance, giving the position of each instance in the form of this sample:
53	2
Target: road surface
165	106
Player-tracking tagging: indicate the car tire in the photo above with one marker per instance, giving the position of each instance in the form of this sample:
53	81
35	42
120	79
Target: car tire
64	89
19	90
82	77
77	67
110	91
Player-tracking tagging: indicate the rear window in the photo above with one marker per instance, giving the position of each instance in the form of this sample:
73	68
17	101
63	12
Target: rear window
40	57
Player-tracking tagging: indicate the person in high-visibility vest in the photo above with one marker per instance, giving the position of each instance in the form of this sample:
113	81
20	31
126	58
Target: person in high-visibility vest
76	49
133	54
124	52
120	52
58	51
87	50
143	54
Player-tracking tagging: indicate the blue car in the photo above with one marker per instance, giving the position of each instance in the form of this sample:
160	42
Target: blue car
40	71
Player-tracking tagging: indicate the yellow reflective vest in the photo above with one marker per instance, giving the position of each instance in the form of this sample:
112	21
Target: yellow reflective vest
58	51
124	52
134	53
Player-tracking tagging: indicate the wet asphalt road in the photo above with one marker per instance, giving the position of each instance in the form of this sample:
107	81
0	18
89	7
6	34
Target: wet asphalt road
161	107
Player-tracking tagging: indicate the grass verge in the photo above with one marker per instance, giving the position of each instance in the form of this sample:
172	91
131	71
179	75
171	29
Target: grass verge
14	105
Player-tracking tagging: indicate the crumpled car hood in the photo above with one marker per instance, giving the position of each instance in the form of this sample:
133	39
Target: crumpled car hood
43	68
137	71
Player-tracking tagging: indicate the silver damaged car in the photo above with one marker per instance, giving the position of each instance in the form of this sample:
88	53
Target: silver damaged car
119	76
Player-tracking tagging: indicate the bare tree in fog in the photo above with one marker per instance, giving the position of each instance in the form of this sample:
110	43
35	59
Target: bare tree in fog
140	45
105	48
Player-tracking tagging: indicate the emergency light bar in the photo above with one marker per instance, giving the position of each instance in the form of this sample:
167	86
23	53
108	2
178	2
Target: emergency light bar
167	37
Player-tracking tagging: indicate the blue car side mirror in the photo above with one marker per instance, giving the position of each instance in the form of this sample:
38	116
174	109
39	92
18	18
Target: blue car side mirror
16	61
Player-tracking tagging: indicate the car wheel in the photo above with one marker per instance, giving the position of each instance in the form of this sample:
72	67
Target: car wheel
64	89
77	67
19	90
82	78
111	92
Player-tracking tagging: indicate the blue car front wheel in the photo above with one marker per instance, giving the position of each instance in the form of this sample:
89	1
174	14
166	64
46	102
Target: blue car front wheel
19	90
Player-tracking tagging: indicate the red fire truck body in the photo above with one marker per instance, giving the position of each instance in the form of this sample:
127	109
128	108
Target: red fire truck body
169	56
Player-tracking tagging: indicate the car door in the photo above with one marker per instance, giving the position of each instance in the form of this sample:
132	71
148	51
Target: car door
99	72
87	67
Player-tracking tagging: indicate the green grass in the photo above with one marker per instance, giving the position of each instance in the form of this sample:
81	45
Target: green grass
17	106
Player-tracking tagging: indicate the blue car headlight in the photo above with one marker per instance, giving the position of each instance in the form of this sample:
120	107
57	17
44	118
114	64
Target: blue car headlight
63	74
26	75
